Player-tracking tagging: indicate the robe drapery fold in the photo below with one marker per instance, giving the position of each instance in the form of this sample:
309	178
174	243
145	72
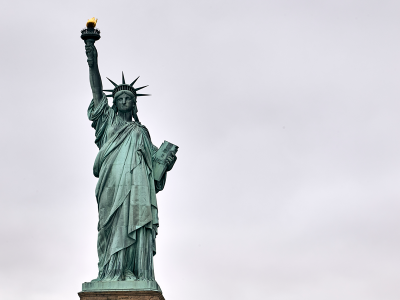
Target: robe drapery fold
126	196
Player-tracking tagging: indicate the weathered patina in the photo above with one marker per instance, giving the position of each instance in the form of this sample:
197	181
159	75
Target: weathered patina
126	189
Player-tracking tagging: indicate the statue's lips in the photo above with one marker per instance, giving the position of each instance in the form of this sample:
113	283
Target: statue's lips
124	108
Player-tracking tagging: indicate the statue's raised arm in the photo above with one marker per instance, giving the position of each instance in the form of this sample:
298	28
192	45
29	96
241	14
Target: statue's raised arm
94	73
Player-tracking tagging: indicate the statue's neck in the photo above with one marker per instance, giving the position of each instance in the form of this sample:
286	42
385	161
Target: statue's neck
127	116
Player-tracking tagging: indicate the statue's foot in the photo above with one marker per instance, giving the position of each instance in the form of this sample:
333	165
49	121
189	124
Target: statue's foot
118	277
129	276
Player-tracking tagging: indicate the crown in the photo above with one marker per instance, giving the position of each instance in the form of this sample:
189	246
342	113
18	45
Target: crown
125	87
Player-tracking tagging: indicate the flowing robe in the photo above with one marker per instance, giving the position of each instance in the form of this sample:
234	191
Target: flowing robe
126	196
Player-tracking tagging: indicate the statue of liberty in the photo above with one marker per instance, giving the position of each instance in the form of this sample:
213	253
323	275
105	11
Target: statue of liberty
126	188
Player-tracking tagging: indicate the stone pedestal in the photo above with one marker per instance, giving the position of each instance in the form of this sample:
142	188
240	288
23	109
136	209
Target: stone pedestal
121	295
122	285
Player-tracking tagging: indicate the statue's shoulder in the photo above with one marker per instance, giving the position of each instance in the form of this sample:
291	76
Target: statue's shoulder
144	130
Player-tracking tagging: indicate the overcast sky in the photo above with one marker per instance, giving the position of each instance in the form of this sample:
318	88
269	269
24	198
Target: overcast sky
287	118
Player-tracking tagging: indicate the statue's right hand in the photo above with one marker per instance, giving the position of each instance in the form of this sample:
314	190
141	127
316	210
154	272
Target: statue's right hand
91	53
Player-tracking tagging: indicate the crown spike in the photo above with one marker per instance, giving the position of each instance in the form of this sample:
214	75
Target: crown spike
123	78
138	95
112	82
142	87
108	91
109	95
134	81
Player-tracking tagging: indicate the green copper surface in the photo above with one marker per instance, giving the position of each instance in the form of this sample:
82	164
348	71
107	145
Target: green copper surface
126	189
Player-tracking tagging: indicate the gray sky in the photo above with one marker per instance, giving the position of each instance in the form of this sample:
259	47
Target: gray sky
286	114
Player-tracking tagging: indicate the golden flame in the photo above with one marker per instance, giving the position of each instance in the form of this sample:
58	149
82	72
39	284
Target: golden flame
91	23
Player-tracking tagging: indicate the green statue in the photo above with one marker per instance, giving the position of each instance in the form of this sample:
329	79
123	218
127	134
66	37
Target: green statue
126	189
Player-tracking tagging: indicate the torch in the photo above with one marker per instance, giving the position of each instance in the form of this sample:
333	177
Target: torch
90	32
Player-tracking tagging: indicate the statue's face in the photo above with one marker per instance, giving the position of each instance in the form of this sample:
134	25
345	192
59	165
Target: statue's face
125	102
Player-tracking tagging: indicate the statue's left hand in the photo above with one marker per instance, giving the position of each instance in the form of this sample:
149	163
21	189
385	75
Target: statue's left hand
171	159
